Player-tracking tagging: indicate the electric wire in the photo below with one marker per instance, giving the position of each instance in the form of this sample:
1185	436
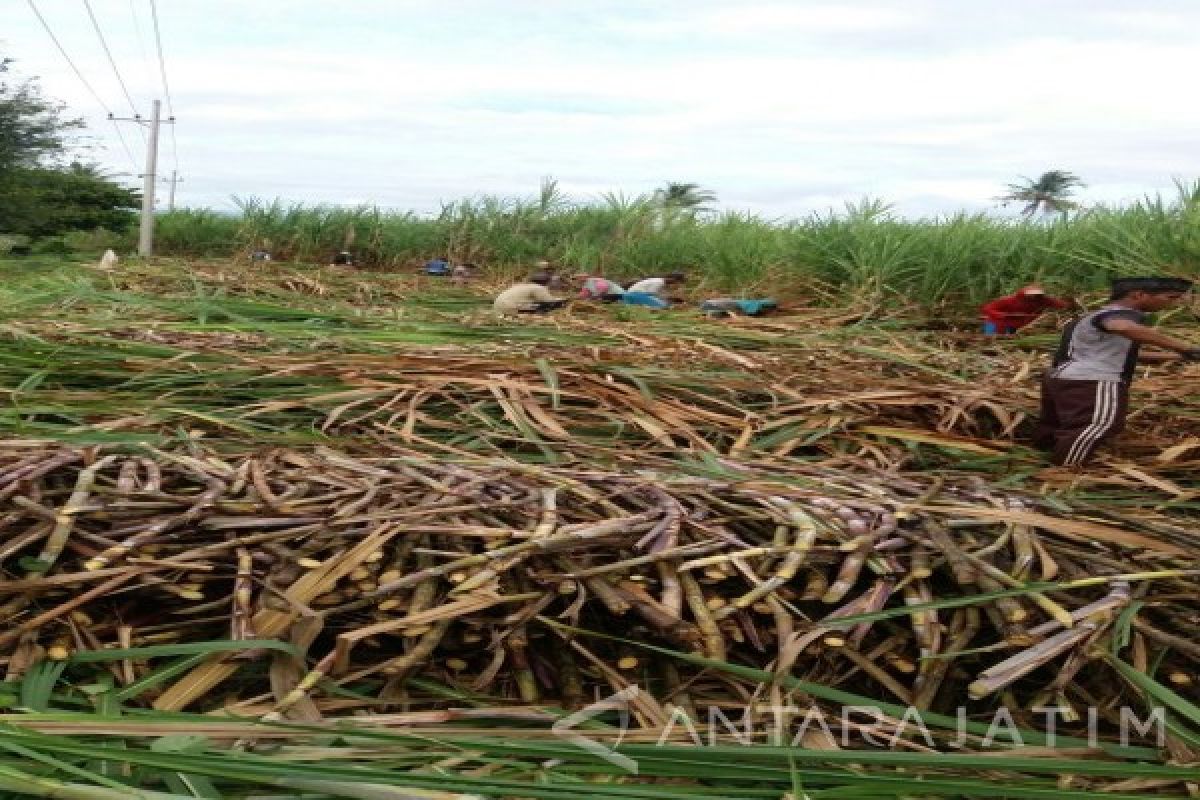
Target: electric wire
112	62
162	71
141	40
82	79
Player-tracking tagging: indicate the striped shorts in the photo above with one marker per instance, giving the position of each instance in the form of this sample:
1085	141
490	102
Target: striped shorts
1078	416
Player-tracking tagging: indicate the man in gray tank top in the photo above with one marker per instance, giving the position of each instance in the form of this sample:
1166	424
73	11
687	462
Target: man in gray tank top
1085	395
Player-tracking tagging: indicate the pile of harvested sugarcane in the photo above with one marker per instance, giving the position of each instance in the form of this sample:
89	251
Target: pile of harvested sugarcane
357	583
249	525
138	368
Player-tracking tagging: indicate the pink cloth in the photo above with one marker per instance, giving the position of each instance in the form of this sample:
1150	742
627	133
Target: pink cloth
594	288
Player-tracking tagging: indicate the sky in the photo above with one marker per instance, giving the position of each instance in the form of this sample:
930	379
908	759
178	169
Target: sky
781	108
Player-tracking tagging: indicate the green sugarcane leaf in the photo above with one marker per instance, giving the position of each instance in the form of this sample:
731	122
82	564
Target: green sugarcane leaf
183	648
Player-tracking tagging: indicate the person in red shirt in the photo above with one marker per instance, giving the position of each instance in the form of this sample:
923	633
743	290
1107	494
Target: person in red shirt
1009	314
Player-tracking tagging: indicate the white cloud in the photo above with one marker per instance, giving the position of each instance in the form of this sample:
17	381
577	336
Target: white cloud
756	19
780	107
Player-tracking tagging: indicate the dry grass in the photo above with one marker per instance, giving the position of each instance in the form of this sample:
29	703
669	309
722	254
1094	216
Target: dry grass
428	522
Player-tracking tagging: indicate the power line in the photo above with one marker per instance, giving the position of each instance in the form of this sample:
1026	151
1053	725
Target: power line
137	27
58	44
111	61
83	80
162	71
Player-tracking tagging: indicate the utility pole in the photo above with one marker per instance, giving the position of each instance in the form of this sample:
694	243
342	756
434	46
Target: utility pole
175	179
146	230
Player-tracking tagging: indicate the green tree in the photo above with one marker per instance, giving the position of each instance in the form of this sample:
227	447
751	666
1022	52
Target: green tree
685	197
43	190
45	202
33	131
1051	193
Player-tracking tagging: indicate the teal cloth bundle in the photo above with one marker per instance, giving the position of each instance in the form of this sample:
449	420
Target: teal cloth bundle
749	308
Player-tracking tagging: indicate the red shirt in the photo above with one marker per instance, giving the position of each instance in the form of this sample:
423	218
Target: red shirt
1018	310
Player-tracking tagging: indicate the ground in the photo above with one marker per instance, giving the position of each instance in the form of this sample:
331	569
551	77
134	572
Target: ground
306	494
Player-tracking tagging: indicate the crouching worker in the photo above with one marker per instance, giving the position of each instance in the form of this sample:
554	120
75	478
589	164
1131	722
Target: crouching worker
526	298
462	273
1007	315
1085	395
547	276
593	287
648	292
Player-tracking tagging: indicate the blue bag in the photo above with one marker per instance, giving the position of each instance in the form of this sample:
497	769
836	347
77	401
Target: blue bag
644	299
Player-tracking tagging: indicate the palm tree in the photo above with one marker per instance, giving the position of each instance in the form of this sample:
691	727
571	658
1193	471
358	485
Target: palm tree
1049	193
685	197
550	198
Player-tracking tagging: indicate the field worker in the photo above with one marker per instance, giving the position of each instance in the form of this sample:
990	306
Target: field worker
546	275
593	287
656	286
1007	315
526	298
648	291
1085	395
461	274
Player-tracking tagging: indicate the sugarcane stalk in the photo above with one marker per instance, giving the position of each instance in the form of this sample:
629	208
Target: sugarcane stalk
877	673
879	593
564	538
675	691
655	613
848	572
1000	675
10	482
426	591
203	502
127	477
713	639
517	643
919	567
1074	662
805	530
625	565
544	530
1180	643
670	588
816	584
926	629
1024	554
863	545
241	615
960	567
570	680
65	519
301	690
604	591
401	666
1001	579
963	630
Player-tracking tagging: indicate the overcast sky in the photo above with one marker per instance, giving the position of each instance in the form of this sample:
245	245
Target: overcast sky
781	108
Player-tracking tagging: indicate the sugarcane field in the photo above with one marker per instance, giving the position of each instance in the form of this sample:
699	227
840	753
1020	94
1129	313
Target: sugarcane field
597	400
274	529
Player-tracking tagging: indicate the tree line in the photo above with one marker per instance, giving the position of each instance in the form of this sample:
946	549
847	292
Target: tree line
47	187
